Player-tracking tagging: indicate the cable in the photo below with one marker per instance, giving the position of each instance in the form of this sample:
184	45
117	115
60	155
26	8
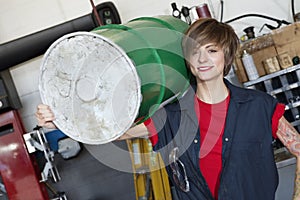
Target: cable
261	16
96	14
293	9
222	8
268	26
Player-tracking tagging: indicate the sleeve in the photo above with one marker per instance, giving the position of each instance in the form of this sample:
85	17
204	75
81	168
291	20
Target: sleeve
153	137
278	113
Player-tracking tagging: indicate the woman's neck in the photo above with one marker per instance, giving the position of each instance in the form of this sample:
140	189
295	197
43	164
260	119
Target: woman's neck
212	92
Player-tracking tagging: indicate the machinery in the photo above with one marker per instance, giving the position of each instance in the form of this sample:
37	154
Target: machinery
17	167
150	177
37	141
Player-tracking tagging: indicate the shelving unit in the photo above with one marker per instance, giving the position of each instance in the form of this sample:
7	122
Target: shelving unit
284	85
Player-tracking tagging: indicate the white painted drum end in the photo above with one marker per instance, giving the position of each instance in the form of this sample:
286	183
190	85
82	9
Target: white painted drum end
92	87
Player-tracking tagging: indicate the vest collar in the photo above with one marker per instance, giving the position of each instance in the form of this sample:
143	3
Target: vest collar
186	103
237	94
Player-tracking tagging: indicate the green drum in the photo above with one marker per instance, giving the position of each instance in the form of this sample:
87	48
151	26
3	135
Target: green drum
100	83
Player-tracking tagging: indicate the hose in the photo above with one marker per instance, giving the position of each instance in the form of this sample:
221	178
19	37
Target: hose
293	9
261	16
222	8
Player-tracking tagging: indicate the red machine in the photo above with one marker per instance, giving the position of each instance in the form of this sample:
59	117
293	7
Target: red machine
18	169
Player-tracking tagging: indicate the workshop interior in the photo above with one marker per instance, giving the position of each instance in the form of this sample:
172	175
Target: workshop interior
79	162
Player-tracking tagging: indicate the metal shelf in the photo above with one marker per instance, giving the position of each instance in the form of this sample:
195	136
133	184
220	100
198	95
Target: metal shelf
291	103
273	75
295	123
285	88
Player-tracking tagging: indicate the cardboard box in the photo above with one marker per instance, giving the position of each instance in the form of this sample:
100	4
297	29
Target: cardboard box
260	56
285	60
286	35
261	48
282	43
287	40
240	70
271	65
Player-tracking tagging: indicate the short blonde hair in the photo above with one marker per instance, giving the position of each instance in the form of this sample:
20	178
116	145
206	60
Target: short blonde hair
209	30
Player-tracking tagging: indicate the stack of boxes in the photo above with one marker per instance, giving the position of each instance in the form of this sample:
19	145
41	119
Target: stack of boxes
272	52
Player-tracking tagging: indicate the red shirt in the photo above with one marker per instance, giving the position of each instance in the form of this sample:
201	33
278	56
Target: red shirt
211	122
210	158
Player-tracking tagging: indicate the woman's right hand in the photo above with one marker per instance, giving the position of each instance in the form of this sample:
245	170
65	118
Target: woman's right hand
45	116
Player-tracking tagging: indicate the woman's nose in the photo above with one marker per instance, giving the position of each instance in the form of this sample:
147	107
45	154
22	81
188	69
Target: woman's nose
202	57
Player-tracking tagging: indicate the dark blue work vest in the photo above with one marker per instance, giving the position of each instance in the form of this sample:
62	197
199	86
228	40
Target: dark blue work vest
248	167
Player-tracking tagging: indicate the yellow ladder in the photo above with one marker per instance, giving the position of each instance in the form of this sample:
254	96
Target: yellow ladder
150	177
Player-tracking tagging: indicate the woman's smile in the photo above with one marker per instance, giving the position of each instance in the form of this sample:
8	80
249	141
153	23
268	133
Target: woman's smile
204	68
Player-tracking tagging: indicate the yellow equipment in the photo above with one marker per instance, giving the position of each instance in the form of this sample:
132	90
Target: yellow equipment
150	177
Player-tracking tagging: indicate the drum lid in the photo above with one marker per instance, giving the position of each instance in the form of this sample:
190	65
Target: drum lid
92	87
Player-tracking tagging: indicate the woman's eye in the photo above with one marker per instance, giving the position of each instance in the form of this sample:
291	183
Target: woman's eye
212	50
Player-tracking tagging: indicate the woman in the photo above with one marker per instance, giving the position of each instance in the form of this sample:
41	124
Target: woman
217	139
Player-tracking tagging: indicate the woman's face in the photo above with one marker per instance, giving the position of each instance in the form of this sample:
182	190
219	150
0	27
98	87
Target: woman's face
207	62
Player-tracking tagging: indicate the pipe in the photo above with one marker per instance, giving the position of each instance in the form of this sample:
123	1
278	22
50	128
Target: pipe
25	48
